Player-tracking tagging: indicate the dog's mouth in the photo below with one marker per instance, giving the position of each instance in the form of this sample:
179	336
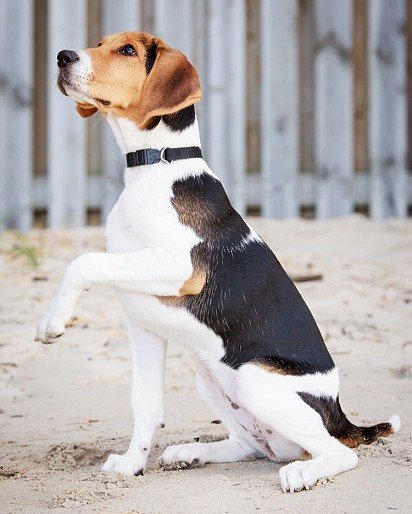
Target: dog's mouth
103	102
67	85
61	82
71	88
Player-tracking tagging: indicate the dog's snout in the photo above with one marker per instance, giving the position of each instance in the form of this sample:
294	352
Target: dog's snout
64	57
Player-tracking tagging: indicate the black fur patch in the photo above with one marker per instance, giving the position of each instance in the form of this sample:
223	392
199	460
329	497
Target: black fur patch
337	424
181	119
151	53
176	122
331	413
248	299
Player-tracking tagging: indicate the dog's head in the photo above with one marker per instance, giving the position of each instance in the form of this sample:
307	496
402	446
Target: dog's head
132	75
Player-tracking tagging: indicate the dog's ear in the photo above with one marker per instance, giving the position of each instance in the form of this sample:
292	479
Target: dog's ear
85	110
171	85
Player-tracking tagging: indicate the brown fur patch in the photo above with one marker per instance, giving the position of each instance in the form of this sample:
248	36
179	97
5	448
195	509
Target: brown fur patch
126	89
172	85
306	455
271	368
85	109
193	212
365	435
193	286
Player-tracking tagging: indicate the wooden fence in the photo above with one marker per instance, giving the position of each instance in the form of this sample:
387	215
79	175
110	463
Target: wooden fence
305	108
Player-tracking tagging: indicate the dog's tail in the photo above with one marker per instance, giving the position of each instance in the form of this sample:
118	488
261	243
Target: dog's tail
353	436
338	425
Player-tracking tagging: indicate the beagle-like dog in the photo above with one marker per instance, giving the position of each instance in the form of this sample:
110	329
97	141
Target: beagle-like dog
189	268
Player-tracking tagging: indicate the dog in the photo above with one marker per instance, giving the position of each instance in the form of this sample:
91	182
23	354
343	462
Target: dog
189	268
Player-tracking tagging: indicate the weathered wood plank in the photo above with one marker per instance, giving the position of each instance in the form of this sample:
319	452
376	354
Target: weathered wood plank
409	80
306	85
215	143
40	88
235	123
199	59
226	82
333	107
387	108
147	16
173	23
253	84
67	131
120	16
16	84
117	16
360	81
279	108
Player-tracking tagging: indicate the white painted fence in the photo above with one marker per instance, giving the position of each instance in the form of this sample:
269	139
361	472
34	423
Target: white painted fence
213	33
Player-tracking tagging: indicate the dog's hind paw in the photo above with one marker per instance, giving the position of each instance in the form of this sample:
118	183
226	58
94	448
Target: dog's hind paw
180	456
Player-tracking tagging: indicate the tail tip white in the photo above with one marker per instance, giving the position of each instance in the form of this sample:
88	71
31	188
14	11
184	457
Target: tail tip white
395	421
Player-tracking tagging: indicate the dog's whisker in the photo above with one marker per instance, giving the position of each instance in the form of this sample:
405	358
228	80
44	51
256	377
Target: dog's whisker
100	117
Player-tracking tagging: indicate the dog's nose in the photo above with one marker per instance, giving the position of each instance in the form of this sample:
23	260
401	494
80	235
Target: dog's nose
64	57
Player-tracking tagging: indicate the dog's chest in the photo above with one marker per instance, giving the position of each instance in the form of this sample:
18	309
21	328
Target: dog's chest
133	220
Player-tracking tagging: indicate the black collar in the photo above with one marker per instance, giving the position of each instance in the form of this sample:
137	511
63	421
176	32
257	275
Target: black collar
151	155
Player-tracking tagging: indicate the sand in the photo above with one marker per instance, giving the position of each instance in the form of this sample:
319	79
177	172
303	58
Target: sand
65	407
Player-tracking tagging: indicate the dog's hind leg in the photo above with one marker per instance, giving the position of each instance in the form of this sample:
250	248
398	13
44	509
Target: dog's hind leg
148	360
193	454
228	450
274	400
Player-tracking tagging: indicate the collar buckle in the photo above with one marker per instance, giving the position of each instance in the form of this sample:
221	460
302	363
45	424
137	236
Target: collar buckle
163	155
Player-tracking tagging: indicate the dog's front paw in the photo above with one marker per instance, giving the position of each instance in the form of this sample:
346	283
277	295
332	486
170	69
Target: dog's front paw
124	464
52	325
181	456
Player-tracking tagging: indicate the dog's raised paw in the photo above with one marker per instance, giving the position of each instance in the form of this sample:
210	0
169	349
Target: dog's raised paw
49	334
52	326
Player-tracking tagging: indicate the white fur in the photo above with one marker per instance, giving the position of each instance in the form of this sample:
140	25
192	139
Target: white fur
395	421
77	77
148	359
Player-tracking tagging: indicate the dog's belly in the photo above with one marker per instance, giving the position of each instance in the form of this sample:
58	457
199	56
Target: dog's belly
259	435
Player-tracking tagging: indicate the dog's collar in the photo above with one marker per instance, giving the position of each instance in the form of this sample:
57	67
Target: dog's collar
151	155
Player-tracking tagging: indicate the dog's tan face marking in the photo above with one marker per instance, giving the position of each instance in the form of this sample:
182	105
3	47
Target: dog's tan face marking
119	83
116	80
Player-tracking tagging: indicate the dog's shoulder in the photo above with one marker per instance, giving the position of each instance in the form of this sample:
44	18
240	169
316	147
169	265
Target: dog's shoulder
201	202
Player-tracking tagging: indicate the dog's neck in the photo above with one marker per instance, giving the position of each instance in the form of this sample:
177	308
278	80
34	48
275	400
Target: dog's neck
170	131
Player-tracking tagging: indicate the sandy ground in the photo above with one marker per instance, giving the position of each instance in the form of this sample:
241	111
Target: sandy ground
65	407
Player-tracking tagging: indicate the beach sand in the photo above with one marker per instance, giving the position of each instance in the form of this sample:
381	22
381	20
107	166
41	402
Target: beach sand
65	407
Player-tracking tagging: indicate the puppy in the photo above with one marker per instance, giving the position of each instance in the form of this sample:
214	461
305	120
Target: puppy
189	268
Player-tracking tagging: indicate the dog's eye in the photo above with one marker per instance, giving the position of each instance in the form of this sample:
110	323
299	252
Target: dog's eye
127	50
